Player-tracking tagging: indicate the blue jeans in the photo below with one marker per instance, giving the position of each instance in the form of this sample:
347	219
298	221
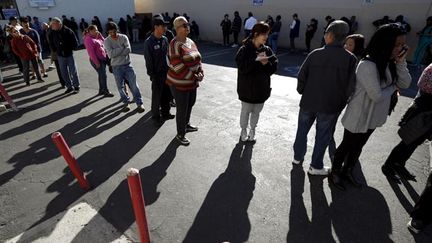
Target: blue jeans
273	40
102	76
69	72
325	124
127	72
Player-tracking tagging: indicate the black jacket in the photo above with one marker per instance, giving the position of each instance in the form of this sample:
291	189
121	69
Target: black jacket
63	41
253	80
327	79
155	52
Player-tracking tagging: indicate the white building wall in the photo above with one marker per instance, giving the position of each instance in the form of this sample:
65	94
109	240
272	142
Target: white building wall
208	14
81	9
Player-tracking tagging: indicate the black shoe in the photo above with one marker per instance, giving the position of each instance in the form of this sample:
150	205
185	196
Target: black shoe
140	108
41	80
27	83
190	128
33	77
63	86
335	179
108	94
45	75
183	140
390	173
68	90
402	171
101	92
168	116
172	103
415	225
348	175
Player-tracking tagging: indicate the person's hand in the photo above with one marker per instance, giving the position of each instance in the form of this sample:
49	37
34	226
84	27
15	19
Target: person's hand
97	65
401	59
199	76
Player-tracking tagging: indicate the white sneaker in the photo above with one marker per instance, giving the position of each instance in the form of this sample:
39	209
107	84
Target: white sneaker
243	135
296	162
323	172
252	135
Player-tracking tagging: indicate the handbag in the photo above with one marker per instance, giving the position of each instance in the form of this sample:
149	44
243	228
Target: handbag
393	101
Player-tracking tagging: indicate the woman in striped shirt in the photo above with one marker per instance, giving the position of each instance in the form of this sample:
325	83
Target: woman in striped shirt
184	74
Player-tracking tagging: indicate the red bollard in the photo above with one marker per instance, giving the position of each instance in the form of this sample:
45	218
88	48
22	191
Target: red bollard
137	197
8	98
70	160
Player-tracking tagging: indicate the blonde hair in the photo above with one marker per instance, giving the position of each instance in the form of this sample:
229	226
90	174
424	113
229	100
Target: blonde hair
179	20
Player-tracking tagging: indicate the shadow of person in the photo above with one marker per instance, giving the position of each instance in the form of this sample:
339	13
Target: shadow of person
118	208
301	229
223	215
100	163
360	215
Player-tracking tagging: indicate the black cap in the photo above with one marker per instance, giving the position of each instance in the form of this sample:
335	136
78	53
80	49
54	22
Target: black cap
159	20
13	18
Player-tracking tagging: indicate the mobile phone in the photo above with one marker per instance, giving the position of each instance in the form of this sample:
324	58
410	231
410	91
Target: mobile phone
403	51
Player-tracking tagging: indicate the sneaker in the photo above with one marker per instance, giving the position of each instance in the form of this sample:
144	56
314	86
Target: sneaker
68	90
76	90
126	107
252	135
415	225
172	103
296	162
52	66
323	172
243	135
190	128
45	75
183	140
27	83
140	108
41	80
33	77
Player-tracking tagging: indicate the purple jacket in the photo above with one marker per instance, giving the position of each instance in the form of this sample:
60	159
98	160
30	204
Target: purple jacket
95	48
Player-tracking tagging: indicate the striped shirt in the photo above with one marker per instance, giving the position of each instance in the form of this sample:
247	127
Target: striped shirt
184	62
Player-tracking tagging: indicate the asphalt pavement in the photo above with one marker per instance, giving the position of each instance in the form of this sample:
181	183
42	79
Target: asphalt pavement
217	189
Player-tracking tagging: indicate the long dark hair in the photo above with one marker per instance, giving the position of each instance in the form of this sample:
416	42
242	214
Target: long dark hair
258	29
380	48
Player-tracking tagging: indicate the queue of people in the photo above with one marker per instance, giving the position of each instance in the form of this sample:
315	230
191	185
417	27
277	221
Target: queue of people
341	75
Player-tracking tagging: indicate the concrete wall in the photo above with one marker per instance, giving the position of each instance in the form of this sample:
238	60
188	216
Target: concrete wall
81	9
208	14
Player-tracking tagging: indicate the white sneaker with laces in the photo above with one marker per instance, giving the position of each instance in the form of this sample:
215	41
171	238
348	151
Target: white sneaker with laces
243	135
323	172
252	135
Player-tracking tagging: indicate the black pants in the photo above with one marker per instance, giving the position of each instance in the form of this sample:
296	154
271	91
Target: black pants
402	152
26	69
161	97
235	36
57	65
292	43
308	43
423	208
18	61
350	149
226	35
185	100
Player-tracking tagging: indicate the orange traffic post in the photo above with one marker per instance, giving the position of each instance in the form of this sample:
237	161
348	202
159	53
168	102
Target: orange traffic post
138	204
70	160
7	98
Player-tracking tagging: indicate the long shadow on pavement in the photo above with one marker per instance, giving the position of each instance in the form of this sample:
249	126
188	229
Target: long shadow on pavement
357	215
100	163
223	215
118	208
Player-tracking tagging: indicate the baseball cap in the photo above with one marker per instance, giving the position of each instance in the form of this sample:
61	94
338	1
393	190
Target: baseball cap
159	20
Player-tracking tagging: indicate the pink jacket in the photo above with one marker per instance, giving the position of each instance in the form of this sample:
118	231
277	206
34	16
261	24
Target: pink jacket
95	48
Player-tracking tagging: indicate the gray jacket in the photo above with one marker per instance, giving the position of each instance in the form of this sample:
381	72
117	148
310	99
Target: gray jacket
118	50
369	106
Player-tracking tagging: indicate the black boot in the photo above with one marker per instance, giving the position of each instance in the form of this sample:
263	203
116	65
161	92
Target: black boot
348	175
390	173
402	171
336	179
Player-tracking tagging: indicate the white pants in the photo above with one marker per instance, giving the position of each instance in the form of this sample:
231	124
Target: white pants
252	111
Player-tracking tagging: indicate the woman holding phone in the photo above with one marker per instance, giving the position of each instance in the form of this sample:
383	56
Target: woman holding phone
379	74
256	62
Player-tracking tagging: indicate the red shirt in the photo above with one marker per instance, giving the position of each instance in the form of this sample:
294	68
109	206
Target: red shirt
24	47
